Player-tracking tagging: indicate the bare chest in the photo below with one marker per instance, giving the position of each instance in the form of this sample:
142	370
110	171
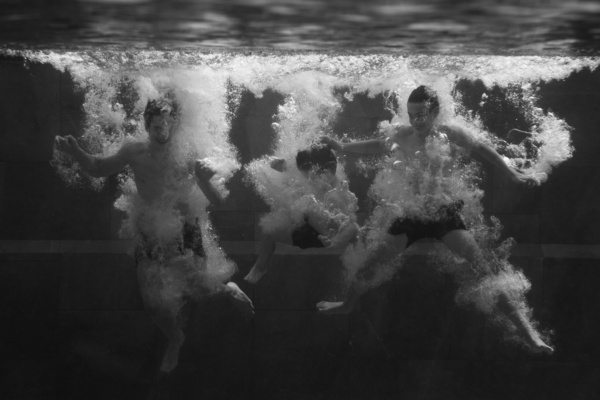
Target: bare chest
410	147
155	176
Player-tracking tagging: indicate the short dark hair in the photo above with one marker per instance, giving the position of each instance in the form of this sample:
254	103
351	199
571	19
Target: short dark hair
318	156
159	106
425	94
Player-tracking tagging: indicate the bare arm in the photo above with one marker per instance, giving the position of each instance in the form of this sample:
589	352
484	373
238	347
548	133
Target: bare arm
203	175
371	146
347	232
489	154
320	219
493	157
96	166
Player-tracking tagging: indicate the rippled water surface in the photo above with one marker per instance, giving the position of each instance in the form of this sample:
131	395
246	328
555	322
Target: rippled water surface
505	27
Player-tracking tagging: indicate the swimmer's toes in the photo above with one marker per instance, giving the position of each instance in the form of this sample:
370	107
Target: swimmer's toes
545	349
254	275
321	305
328	307
539	347
241	301
250	278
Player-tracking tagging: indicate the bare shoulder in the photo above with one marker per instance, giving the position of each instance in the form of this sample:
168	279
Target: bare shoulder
451	130
133	149
402	132
458	135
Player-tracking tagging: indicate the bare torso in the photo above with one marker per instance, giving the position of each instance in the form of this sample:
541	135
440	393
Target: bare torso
426	168
157	174
411	143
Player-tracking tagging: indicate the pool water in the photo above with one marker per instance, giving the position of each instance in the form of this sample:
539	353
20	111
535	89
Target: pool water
72	322
511	27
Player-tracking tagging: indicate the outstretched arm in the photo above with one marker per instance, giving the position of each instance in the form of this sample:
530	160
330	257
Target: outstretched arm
94	165
372	146
492	156
489	154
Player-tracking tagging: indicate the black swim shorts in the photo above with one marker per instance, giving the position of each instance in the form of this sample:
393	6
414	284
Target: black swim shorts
448	219
191	238
305	236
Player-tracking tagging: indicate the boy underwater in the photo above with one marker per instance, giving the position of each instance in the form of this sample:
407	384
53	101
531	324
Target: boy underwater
421	148
328	217
169	255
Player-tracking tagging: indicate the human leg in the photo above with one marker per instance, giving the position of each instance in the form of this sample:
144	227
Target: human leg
372	273
265	253
462	243
163	309
266	249
238	298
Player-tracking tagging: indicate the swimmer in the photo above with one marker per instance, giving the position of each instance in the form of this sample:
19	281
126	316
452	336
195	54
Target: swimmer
156	173
319	228
444	221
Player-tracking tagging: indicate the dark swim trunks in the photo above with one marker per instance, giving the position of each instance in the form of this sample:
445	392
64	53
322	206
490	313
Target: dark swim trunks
305	236
448	220
191	238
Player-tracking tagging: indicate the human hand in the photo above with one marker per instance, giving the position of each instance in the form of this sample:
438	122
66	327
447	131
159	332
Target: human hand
203	171
521	178
327	242
332	242
334	144
67	144
278	164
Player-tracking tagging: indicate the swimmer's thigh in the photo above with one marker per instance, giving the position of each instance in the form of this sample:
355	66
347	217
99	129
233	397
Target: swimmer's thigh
462	243
157	292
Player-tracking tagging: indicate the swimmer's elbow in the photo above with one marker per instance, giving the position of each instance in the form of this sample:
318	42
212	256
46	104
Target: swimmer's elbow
98	168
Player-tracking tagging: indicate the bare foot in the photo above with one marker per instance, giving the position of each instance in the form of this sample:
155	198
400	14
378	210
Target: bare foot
537	345
332	307
255	273
532	338
171	357
240	300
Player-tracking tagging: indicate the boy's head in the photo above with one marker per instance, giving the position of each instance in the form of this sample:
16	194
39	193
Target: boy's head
318	158
423	108
160	117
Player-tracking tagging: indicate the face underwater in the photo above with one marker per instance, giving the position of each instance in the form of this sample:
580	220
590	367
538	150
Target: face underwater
161	128
421	118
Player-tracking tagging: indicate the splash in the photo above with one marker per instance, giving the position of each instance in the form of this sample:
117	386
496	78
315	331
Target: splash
117	85
114	101
308	80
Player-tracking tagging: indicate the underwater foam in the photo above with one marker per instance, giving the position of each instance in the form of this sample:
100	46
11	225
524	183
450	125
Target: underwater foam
117	84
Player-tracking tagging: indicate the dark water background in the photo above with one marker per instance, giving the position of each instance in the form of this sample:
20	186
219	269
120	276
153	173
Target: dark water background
504	27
